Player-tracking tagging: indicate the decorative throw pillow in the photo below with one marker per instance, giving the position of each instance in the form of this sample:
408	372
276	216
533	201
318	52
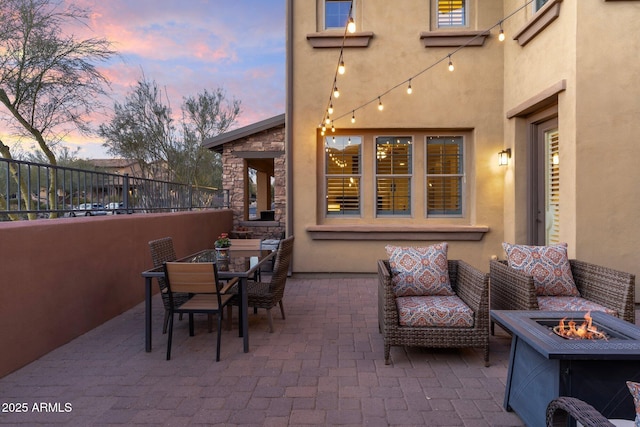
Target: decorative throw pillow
634	388
549	266
419	271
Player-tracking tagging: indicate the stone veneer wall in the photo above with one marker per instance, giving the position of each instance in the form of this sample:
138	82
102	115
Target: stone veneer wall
271	140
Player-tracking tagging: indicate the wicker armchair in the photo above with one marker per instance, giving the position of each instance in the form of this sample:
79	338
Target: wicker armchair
470	284
162	251
560	410
514	290
269	294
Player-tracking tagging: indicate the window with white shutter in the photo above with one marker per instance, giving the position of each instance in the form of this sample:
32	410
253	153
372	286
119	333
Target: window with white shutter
552	184
451	13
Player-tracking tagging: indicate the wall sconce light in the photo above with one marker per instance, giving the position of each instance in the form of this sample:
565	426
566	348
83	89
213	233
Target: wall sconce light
503	157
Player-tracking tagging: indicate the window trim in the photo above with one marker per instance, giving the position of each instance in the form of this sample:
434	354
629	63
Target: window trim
462	176
541	20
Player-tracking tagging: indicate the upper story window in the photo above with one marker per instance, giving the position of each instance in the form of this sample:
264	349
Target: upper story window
451	13
393	175
336	13
445	174
343	174
538	4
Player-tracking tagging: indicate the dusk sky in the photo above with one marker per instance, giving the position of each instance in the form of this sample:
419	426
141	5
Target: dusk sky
188	46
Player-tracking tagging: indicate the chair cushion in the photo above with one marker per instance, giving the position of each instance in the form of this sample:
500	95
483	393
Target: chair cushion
419	271
438	311
550	303
548	265
634	388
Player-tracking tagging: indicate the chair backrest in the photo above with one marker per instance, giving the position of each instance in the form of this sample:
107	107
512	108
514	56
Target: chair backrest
162	251
192	277
281	265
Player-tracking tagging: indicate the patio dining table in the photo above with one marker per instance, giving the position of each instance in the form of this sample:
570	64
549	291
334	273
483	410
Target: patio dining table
241	264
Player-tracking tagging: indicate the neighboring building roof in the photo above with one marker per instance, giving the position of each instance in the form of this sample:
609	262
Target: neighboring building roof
111	163
215	143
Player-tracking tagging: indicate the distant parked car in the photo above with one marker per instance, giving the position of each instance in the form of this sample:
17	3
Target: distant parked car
89	209
116	208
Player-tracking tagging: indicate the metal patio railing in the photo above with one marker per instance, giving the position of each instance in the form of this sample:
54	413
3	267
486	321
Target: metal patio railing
25	193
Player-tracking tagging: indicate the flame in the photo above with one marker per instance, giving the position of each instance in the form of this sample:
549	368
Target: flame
584	331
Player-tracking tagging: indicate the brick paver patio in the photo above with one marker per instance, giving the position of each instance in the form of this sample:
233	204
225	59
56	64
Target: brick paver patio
323	365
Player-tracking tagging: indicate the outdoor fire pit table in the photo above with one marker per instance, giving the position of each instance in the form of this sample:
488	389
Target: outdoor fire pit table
543	365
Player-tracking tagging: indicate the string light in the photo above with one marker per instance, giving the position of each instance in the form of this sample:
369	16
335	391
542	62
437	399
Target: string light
351	26
336	92
330	110
333	129
409	89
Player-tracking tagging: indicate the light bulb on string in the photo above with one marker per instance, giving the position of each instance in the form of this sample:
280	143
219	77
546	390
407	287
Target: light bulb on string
501	35
353	116
451	68
330	109
341	68
333	129
409	88
380	106
351	26
327	120
336	92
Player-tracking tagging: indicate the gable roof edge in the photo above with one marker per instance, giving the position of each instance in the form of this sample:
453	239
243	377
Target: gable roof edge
243	132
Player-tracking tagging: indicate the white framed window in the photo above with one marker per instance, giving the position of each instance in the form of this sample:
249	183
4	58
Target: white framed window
336	13
343	173
444	175
451	13
393	175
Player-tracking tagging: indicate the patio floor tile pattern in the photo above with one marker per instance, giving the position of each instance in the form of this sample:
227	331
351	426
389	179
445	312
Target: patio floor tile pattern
323	365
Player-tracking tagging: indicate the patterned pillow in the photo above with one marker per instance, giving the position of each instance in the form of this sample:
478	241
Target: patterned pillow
634	388
419	271
549	266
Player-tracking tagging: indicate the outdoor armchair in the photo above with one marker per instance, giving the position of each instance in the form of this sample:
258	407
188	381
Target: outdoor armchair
468	283
208	296
512	289
269	294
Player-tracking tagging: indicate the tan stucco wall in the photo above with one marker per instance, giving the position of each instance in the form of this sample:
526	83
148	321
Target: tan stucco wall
468	100
61	278
592	47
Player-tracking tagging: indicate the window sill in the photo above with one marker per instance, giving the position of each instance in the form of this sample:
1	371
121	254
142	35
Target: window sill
329	39
453	38
541	20
397	232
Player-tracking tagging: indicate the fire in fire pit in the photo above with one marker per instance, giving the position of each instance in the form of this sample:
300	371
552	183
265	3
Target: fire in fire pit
585	331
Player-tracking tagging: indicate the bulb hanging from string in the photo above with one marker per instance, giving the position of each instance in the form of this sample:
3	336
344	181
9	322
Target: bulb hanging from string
327	120
353	116
351	26
336	92
451	68
330	110
409	88
501	35
333	129
341	68
380	106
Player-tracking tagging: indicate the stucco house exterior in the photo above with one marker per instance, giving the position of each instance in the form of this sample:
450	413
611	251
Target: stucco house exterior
559	97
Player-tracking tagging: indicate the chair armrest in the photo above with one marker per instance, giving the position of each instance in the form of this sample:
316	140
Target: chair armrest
472	286
510	288
387	309
229	285
563	407
606	286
